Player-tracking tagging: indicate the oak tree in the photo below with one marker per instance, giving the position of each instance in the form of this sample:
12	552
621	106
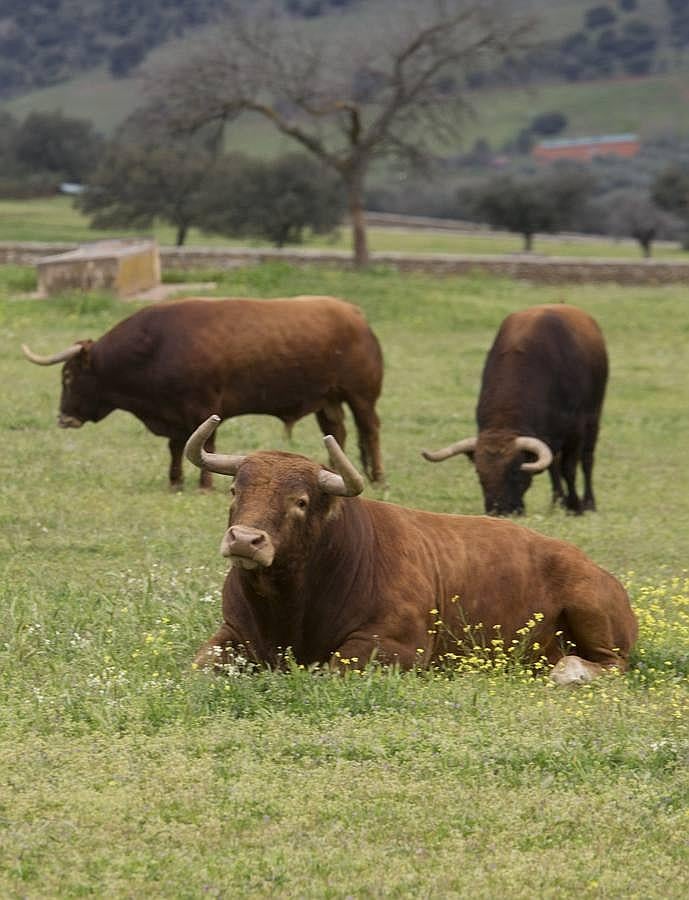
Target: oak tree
398	91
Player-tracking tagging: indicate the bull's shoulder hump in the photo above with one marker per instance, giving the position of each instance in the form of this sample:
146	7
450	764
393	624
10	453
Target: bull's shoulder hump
547	322
562	312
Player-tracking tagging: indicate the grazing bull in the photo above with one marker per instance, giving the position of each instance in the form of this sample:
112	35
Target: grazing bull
335	577
173	364
541	395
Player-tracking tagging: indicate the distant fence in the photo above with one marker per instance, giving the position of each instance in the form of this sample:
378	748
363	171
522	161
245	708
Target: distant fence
541	269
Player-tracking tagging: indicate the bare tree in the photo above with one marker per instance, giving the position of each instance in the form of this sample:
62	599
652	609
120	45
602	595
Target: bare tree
400	92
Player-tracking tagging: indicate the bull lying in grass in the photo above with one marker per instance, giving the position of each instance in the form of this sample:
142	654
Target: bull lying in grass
336	577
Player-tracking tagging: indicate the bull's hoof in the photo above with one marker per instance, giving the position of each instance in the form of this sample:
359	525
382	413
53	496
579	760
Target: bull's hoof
574	670
175	487
210	660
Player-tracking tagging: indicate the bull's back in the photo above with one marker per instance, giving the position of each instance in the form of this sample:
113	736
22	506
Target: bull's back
477	569
245	345
253	328
545	360
552	335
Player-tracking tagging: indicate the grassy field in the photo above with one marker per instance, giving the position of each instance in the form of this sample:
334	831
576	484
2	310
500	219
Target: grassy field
124	774
55	219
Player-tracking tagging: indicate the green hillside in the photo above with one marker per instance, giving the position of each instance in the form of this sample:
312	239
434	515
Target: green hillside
647	105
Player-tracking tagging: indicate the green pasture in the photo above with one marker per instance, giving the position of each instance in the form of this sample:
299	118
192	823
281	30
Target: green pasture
123	773
55	219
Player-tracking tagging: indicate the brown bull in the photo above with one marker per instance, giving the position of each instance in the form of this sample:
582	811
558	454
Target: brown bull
174	364
541	396
334	576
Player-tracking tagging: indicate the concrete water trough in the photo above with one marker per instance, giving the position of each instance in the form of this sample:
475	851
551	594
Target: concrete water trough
123	266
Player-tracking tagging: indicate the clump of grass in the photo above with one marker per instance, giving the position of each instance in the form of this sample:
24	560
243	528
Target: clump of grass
20	279
662	607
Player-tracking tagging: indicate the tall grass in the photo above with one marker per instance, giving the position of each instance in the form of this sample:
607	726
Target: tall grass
123	773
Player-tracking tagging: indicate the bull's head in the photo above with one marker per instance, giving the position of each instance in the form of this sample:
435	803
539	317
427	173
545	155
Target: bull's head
82	399
503	465
280	501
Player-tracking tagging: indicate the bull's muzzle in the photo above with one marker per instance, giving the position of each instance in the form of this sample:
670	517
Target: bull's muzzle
504	509
69	421
247	547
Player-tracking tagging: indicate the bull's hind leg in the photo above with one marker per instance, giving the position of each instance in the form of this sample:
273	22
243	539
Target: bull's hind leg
358	650
589	501
575	670
368	427
555	480
600	623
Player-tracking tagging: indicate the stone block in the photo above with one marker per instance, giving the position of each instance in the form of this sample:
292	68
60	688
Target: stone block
124	267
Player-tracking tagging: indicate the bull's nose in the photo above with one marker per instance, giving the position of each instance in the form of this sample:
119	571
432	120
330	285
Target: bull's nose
505	511
242	543
250	537
69	421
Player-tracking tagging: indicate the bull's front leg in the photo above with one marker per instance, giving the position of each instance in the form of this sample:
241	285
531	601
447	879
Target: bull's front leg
205	477
358	650
219	652
176	476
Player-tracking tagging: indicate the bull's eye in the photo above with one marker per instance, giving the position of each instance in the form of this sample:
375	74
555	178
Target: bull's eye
232	491
302	503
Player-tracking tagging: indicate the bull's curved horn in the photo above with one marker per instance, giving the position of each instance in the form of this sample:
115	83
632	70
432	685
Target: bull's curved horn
223	464
467	445
348	482
534	445
63	355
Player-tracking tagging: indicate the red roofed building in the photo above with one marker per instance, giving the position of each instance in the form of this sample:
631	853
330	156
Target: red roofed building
586	148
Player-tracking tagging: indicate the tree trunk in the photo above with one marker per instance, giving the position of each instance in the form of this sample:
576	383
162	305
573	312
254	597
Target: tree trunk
528	243
181	234
355	202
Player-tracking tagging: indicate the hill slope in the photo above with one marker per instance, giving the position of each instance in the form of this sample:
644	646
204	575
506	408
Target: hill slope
649	105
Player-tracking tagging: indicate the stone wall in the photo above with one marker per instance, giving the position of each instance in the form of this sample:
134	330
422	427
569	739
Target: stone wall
541	269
